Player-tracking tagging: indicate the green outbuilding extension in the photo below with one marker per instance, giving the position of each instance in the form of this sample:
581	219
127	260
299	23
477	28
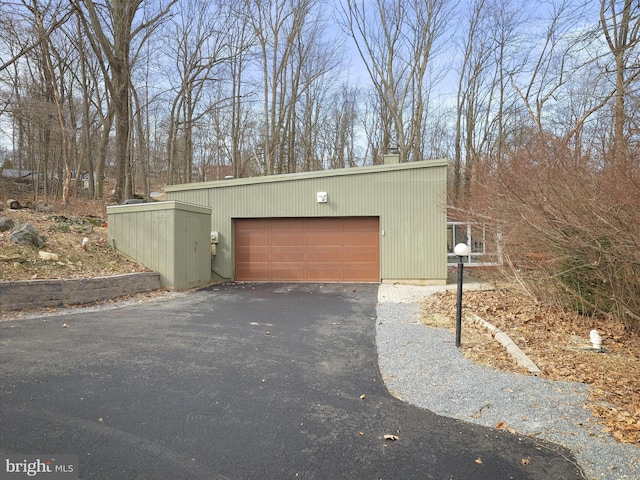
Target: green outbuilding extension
383	223
172	238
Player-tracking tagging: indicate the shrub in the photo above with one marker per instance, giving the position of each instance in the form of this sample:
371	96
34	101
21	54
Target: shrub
570	232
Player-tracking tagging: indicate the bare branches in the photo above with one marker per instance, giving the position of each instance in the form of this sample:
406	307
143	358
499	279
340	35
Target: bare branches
621	29
571	232
398	42
43	36
111	30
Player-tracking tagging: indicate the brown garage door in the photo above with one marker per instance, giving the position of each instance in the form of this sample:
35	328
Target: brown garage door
335	249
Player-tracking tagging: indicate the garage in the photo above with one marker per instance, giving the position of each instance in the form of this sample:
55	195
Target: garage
320	249
375	223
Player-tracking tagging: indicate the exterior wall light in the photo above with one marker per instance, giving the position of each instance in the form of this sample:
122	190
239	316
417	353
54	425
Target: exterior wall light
461	250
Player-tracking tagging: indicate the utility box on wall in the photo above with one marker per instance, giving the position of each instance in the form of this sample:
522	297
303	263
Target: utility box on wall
172	238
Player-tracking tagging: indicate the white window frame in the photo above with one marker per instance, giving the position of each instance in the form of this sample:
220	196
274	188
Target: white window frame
474	252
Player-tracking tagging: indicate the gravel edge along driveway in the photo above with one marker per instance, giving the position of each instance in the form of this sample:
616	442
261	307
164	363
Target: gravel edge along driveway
422	366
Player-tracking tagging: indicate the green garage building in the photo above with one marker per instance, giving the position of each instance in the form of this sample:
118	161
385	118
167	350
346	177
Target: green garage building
384	223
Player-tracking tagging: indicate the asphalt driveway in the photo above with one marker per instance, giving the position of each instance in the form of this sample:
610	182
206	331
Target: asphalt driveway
241	382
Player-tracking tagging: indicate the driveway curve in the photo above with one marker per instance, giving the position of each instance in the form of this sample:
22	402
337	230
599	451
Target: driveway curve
238	381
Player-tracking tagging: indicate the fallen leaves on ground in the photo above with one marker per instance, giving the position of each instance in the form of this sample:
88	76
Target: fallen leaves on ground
558	343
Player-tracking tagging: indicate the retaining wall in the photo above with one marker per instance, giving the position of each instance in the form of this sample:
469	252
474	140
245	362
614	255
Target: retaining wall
73	291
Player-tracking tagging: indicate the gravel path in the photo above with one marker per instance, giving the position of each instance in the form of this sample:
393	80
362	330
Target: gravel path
422	366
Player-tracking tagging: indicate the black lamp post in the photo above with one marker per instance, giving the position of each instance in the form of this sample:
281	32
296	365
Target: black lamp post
461	250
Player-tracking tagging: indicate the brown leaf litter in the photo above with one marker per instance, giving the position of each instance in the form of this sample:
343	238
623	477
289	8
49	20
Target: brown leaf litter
558	343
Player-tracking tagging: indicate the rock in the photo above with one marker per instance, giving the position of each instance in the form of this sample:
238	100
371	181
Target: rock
48	256
26	234
6	224
43	208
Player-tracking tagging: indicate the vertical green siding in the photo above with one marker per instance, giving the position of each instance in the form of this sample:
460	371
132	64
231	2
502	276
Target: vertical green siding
192	247
169	237
408	198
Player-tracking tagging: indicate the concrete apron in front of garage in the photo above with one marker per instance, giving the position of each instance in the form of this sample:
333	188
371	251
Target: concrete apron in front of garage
238	381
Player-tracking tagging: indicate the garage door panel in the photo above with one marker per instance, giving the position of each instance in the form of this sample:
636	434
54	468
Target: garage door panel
258	274
326	239
319	274
325	256
359	274
252	240
287	256
289	273
360	241
281	224
319	224
361	223
361	257
254	257
327	249
286	240
358	249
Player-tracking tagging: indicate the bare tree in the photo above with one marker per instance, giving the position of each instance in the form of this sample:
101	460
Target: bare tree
548	73
492	51
241	41
620	22
316	60
370	117
338	129
38	91
111	29
85	129
558	198
398	40
197	32
53	87
11	86
43	36
278	25
475	61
